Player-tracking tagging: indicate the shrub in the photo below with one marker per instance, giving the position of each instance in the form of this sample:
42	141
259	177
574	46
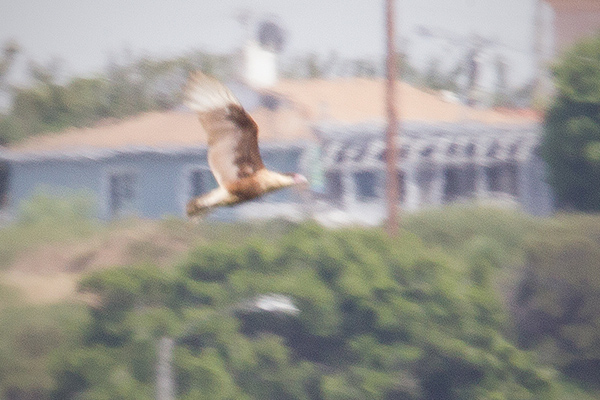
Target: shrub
379	319
47	218
571	141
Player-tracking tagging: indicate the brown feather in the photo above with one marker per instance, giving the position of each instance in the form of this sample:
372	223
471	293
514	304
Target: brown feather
233	143
246	188
247	155
233	153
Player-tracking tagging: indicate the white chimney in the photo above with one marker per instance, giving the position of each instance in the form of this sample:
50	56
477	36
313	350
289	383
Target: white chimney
260	65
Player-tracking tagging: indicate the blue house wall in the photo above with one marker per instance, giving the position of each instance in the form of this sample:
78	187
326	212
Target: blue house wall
438	165
161	185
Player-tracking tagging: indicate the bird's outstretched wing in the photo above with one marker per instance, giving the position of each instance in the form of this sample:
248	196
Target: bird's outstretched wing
232	133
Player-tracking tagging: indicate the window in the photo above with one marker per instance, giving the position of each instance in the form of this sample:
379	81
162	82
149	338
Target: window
123	194
366	185
452	184
196	182
503	178
459	183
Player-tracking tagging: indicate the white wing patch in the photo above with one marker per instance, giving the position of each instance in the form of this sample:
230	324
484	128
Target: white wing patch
204	93
221	160
215	197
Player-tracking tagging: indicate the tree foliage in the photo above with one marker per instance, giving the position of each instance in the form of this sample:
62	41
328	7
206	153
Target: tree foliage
571	143
419	316
547	271
379	319
558	302
29	335
48	219
126	88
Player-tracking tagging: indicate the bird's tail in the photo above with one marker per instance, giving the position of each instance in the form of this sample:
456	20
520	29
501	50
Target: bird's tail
201	205
196	209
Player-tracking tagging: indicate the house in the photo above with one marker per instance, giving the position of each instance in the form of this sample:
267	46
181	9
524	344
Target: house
448	152
438	164
330	130
149	165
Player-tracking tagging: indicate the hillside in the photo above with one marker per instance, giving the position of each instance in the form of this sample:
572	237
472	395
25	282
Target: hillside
45	257
513	267
49	272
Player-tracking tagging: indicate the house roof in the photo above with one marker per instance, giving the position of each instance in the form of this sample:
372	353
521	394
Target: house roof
172	129
355	100
347	100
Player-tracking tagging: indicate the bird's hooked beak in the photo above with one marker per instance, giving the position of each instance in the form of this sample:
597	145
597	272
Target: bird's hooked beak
300	181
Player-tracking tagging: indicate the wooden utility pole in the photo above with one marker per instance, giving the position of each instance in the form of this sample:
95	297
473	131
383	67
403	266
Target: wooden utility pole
391	158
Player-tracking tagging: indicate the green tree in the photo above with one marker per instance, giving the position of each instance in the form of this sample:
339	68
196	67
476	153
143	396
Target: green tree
379	319
571	142
557	307
125	89
433	77
29	335
547	271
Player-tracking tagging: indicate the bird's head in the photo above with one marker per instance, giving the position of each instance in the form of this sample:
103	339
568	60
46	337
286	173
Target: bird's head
297	180
275	180
300	180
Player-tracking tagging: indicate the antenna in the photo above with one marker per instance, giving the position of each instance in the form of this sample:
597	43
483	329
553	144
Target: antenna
271	36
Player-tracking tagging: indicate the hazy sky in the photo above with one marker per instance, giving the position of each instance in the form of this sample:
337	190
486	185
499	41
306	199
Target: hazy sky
84	33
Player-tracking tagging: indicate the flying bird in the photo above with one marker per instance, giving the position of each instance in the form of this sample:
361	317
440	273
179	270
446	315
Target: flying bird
233	154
